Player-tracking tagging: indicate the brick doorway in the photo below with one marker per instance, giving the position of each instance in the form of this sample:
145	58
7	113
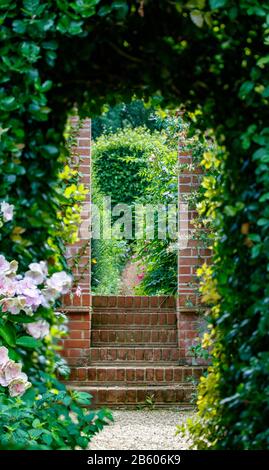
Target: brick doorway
126	350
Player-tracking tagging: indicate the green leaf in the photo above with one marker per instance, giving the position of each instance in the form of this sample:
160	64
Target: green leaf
50	45
232	210
67	25
264	197
19	26
263	61
122	8
31	5
7	332
10	178
29	396
20	318
50	150
8	103
263	222
36	423
47	438
35	433
28	342
265	92
46	86
254	237
196	4
214	4
262	154
30	50
83	398
15	169
246	88
13	354
256	250
104	10
197	18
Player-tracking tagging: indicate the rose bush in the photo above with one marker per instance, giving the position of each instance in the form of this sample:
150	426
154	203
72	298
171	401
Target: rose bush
28	328
11	375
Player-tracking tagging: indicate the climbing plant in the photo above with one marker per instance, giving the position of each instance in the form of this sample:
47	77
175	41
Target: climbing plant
210	56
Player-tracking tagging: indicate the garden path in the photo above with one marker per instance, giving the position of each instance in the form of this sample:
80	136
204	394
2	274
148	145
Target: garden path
130	278
143	430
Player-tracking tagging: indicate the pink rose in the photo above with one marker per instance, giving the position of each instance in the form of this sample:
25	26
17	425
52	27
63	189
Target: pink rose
8	268
78	291
141	276
7	211
10	371
37	272
18	386
3	356
29	290
4	264
7	286
13	305
38	329
61	282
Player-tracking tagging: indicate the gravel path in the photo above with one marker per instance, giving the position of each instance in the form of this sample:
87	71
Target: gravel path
142	430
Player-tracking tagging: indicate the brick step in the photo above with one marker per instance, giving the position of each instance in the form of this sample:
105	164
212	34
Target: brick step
147	319
134	374
133	302
127	363
134	336
134	327
135	354
128	396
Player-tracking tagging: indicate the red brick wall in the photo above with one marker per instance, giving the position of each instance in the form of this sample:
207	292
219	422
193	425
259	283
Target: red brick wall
190	257
78	309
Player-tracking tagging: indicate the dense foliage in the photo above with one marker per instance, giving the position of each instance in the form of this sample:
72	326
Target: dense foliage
159	255
134	114
210	55
118	160
53	420
136	166
108	255
29	330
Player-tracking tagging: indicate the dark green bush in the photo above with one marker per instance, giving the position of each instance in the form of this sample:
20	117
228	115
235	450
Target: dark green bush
133	114
55	420
118	160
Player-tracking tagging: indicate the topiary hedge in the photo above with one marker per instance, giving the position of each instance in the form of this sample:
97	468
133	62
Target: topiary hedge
118	161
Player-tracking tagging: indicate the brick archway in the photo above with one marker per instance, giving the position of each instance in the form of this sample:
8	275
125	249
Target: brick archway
124	349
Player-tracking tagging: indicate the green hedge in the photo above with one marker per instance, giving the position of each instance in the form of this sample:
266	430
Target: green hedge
118	160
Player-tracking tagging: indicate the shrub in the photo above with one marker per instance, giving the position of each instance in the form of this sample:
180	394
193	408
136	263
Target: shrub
117	162
124	115
47	416
53	420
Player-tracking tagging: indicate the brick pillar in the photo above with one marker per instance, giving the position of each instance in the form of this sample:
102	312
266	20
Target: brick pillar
190	256
78	309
